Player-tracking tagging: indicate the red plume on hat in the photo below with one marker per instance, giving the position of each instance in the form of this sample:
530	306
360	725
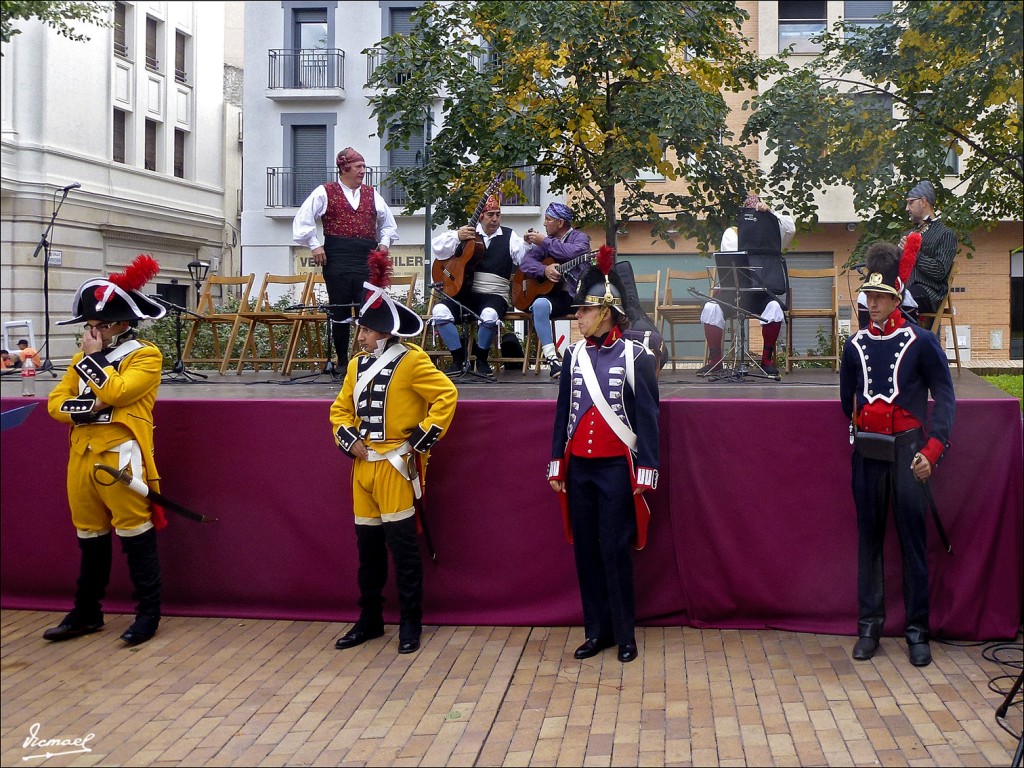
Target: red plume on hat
605	259
137	274
909	258
381	269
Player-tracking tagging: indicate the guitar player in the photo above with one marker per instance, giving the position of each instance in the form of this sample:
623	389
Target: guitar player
485	287
560	244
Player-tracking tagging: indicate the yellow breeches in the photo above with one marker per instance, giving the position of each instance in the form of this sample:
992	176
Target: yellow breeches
96	508
379	493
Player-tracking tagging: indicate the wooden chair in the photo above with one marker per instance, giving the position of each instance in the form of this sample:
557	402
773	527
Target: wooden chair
216	318
829	312
654	280
676	309
263	313
499	360
933	320
309	325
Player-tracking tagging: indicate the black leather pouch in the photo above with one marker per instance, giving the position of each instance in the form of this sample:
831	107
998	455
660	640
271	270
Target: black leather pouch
872	445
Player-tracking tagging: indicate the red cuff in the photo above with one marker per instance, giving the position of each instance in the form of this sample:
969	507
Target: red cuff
556	470
933	451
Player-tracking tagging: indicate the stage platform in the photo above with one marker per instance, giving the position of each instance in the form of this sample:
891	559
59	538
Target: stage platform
753	523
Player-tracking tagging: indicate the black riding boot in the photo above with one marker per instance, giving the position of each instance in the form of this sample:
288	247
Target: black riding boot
372	576
144	568
94	575
405	552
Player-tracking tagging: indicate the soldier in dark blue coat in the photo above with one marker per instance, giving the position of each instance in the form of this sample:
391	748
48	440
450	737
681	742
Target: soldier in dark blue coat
888	369
604	456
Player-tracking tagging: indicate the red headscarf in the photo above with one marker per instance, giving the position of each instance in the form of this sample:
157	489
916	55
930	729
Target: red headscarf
347	157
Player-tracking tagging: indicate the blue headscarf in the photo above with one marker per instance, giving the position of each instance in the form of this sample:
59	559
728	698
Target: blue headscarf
559	211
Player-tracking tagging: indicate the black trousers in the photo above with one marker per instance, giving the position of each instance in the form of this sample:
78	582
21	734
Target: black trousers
875	485
345	271
600	495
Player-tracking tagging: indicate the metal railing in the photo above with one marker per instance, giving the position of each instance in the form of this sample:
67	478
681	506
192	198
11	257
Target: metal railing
288	187
306	68
375	57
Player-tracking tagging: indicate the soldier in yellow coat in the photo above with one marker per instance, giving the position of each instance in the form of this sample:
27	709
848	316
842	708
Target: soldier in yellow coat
394	405
107	397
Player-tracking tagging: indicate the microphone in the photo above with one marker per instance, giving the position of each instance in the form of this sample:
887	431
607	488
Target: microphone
69	187
437	286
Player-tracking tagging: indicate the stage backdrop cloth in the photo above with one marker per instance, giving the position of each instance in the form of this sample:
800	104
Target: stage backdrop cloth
753	524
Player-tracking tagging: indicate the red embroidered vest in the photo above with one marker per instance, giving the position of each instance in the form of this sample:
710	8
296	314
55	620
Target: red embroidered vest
340	220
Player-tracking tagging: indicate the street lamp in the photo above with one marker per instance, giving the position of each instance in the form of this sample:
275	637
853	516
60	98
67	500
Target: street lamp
198	270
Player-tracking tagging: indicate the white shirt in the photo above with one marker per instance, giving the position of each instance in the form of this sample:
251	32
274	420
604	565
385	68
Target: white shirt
443	246
304	227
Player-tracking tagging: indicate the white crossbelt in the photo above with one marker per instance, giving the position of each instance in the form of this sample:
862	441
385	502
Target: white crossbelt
402	460
586	368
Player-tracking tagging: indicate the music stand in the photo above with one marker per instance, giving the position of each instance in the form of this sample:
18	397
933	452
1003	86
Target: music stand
178	372
467	315
738	280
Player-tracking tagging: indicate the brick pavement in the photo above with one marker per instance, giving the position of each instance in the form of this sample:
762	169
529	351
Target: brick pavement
214	691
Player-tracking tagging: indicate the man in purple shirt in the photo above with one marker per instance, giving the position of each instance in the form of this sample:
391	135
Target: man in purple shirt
547	259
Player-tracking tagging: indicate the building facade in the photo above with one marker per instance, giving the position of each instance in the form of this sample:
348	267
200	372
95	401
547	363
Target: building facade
306	100
118	142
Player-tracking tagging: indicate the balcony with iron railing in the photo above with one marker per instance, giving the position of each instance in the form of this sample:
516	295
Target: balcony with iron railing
306	73
289	187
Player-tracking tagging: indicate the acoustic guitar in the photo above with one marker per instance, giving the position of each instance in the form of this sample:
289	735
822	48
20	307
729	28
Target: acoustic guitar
452	272
525	288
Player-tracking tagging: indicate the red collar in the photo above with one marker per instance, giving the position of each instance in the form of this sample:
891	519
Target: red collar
892	322
609	338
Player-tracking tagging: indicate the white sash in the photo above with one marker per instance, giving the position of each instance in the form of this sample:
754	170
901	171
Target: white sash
624	433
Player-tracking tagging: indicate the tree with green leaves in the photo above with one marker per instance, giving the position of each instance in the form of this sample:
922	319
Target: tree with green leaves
57	14
586	93
886	105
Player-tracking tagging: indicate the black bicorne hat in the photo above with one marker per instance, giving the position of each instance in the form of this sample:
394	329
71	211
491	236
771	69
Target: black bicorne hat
117	298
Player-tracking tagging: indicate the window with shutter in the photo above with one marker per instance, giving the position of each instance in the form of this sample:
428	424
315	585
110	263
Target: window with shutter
309	153
865	12
151	143
400	157
120	35
119	136
152	28
799	21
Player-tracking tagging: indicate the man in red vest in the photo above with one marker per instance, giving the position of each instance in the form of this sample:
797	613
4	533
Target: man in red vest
355	220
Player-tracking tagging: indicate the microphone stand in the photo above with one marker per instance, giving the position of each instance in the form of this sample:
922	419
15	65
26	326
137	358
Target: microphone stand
178	372
44	246
330	369
467	315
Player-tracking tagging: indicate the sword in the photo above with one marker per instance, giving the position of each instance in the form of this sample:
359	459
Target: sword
124	476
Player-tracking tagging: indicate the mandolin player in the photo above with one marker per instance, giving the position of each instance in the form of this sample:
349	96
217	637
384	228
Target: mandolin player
485	289
929	279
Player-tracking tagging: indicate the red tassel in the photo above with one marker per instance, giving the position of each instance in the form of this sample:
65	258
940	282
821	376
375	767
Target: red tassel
136	274
605	258
158	516
909	258
381	268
